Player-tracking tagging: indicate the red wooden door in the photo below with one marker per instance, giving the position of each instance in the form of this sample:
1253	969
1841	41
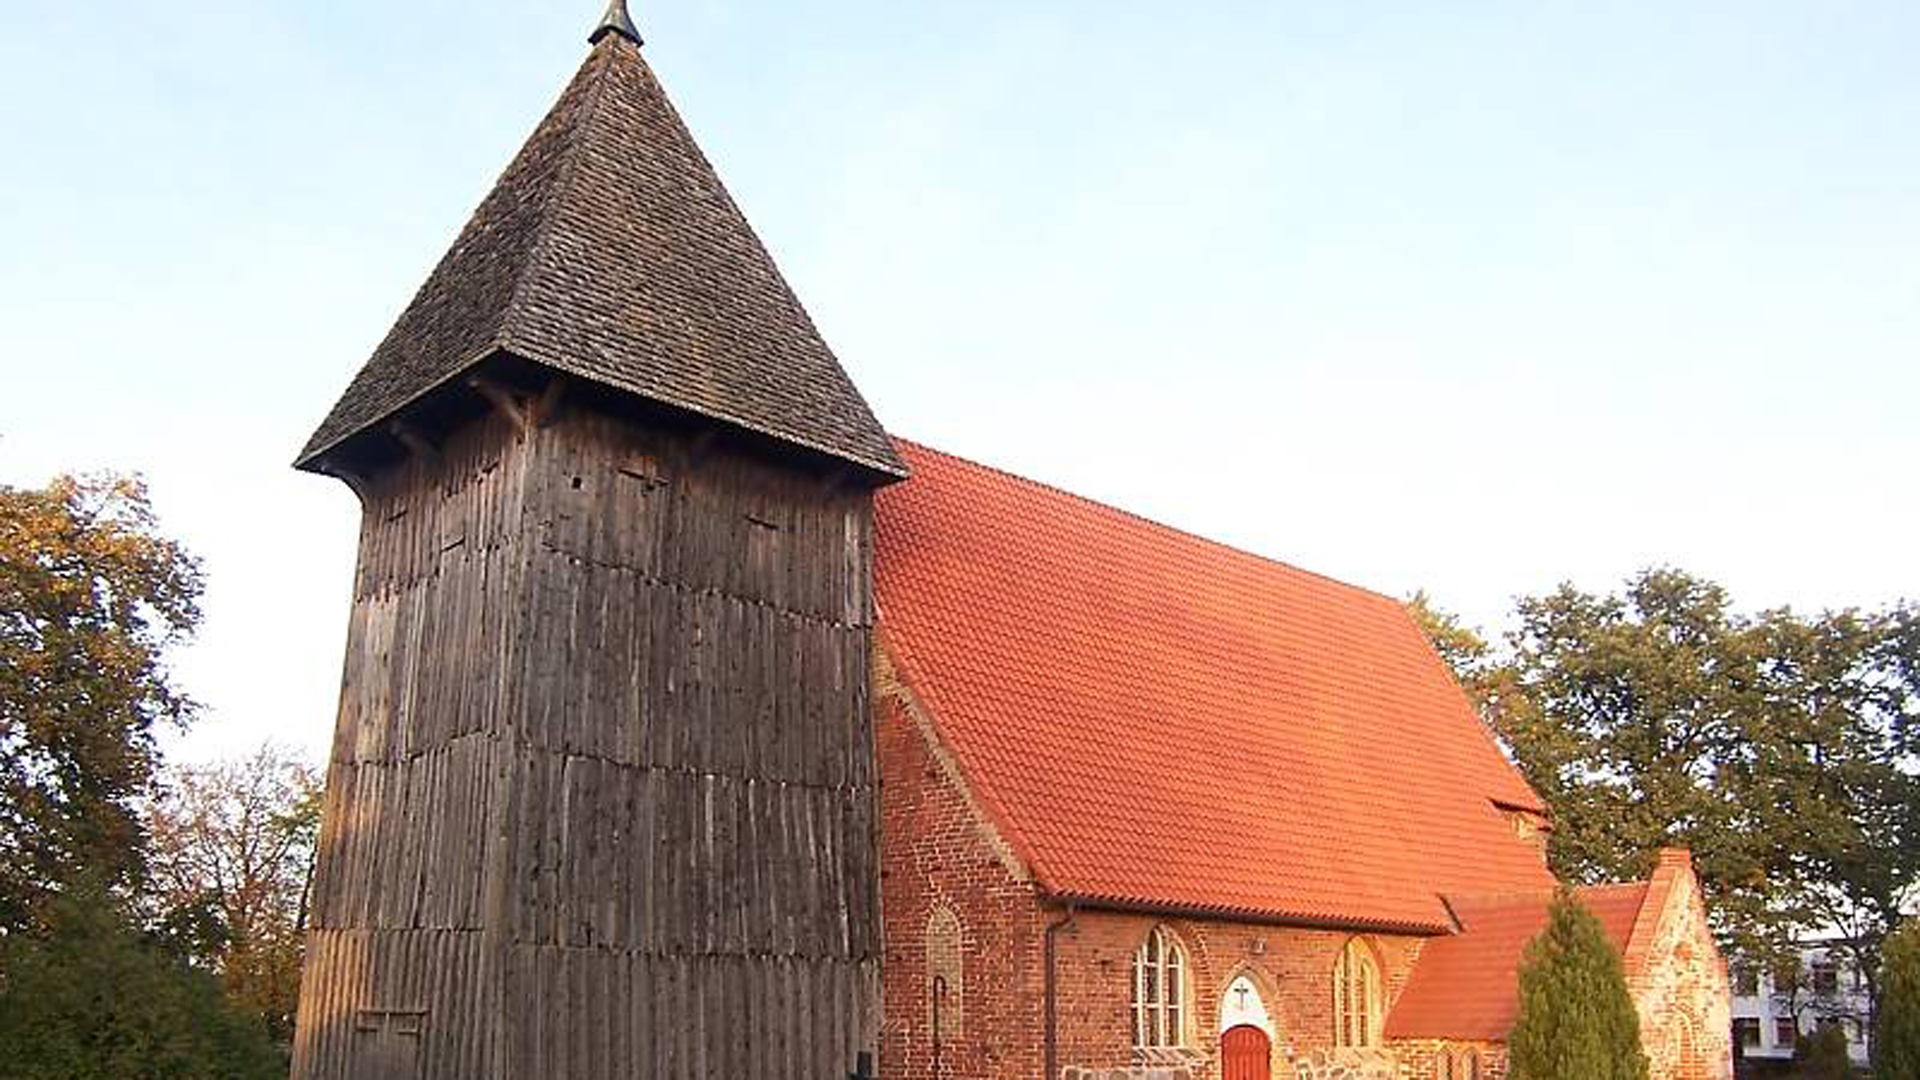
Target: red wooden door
1244	1054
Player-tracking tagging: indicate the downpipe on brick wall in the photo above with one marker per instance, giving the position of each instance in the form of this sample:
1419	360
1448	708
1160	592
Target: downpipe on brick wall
1052	985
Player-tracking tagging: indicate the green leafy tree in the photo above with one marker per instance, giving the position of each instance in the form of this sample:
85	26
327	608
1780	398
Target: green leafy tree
1896	1035
1633	709
91	596
232	860
1577	1020
90	996
1465	649
1481	668
1779	747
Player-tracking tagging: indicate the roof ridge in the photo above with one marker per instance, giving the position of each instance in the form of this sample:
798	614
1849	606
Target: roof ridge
1612	885
1151	522
1527	894
601	57
1502	894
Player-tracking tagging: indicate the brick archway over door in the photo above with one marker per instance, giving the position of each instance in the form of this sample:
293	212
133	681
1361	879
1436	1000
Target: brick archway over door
1245	1054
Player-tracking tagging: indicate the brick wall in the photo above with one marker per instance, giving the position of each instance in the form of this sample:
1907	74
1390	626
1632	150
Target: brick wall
943	863
1679	979
1292	970
937	854
945	869
1448	1059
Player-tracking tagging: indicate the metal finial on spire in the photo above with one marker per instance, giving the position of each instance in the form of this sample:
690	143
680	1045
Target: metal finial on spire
616	21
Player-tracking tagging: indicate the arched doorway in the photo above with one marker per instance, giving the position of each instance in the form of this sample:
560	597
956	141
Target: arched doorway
1245	1054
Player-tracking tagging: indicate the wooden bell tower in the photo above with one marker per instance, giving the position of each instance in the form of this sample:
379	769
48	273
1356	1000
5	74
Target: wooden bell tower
601	795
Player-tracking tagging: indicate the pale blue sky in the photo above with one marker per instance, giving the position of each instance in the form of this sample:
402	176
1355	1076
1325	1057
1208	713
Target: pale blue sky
1476	297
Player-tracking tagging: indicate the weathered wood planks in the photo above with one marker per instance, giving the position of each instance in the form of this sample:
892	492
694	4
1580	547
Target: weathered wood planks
601	794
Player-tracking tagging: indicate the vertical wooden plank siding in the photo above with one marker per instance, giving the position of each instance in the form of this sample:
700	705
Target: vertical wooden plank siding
600	801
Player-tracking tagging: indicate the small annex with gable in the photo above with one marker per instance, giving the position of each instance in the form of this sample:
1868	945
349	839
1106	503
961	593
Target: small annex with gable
1203	814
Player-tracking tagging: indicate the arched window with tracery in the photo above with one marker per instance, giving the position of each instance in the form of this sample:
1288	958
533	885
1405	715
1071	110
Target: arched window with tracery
1470	1065
1356	996
1159	991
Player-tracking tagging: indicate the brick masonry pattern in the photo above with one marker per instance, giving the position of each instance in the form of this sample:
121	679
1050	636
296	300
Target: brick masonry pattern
939	851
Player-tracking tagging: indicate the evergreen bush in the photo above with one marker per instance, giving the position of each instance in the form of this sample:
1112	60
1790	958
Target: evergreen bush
1577	1020
1896	1034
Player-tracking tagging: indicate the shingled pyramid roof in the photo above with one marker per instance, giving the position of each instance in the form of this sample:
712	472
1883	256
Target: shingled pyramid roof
609	250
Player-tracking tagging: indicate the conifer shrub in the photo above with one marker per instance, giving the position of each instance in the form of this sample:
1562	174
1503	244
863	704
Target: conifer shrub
1577	1020
1896	1033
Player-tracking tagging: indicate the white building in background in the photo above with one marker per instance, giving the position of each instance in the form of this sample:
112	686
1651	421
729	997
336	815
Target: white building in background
1767	1018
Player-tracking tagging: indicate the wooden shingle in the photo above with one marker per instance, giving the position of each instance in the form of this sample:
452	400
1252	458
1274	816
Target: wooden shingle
610	251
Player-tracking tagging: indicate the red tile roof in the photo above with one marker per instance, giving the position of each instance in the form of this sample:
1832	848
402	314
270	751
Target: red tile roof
1467	986
1155	719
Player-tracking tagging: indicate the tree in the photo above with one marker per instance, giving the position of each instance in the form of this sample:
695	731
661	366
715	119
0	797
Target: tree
1577	1020
1896	1035
1633	706
90	996
1464	648
1780	748
91	596
1835	756
232	859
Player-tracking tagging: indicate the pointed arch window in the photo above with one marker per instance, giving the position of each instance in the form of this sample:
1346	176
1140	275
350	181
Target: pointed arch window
1463	1065
1356	996
946	974
1159	991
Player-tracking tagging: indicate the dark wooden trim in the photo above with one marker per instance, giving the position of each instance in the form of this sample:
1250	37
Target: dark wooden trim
512	406
356	482
700	447
834	480
547	407
414	440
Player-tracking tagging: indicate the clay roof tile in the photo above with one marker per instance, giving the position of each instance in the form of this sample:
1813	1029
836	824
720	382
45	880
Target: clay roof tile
1161	720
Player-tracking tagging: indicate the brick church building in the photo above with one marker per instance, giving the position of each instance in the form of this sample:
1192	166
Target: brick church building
693	726
1154	807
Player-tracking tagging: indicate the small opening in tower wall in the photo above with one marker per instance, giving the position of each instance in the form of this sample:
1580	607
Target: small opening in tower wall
576	483
645	476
